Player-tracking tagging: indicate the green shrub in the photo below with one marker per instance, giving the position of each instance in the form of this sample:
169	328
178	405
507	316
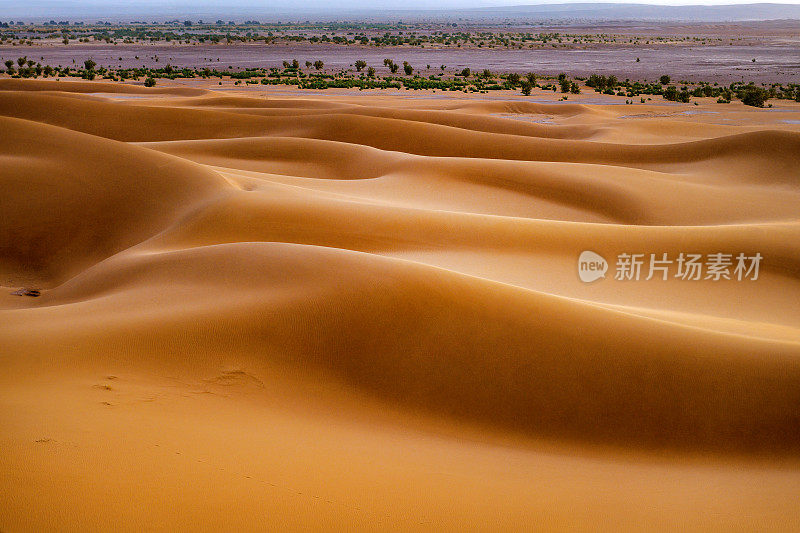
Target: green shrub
753	96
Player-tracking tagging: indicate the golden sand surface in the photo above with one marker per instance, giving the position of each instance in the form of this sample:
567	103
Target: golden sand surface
268	309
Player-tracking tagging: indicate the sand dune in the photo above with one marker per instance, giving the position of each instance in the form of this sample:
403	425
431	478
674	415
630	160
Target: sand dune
364	312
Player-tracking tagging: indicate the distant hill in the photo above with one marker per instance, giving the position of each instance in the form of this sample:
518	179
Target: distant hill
597	11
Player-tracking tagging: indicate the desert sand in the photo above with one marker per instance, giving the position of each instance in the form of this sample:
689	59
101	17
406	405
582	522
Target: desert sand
277	310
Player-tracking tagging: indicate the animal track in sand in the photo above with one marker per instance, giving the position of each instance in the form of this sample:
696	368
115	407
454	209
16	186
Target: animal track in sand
235	377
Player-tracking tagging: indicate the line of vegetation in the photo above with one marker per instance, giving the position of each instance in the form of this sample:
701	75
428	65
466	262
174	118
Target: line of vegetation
311	75
460	34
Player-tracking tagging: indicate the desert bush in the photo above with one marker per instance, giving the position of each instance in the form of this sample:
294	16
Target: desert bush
596	82
672	94
753	96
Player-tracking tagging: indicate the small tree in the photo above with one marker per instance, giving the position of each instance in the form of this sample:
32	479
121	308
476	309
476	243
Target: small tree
318	64
392	66
21	61
89	64
408	69
526	87
308	64
360	64
371	72
664	79
531	77
295	64
149	82
753	96
513	79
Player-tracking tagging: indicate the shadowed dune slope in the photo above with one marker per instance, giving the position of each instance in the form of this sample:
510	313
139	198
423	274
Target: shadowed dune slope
365	313
68	186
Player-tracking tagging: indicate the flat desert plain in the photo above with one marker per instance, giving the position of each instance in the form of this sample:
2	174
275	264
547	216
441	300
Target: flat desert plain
267	309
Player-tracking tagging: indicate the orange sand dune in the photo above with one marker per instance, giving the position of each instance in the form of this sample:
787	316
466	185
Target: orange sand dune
327	312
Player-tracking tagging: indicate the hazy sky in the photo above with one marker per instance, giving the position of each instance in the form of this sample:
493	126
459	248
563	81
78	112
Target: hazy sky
9	9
